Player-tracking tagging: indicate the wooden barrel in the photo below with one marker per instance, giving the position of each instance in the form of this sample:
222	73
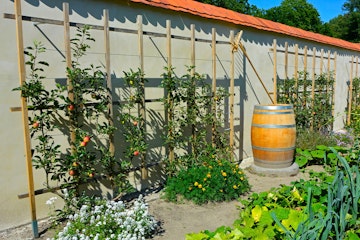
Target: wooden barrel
273	135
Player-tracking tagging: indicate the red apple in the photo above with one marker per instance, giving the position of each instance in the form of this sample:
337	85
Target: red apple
91	174
136	153
71	107
86	139
135	123
83	144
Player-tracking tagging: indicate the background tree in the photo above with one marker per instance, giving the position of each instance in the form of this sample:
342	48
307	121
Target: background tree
241	6
296	13
347	26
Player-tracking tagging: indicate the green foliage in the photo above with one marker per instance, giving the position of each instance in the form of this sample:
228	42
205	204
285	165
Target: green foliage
355	109
296	13
310	112
241	6
189	104
109	220
83	103
309	139
323	207
131	120
215	180
341	213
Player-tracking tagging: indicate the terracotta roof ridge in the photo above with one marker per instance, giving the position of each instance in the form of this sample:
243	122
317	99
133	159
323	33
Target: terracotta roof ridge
214	12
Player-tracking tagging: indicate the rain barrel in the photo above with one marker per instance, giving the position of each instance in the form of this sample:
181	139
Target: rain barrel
273	135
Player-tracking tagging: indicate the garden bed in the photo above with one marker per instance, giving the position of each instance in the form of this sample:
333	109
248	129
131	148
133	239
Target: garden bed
180	219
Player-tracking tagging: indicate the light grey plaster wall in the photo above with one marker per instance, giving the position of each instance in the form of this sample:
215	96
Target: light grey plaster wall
124	55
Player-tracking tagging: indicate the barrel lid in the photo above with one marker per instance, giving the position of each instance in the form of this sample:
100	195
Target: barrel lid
274	107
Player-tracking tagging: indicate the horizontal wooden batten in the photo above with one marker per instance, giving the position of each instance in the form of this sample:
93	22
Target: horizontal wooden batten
112	29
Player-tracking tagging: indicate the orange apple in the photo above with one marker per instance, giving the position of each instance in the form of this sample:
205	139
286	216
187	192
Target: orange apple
135	123
36	124
72	172
136	153
83	144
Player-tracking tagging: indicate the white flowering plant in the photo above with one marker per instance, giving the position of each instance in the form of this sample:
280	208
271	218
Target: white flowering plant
110	220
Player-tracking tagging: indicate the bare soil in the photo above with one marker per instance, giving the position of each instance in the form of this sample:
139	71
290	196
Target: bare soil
179	219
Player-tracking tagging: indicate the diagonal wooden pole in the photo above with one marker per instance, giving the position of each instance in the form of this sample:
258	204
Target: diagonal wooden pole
25	114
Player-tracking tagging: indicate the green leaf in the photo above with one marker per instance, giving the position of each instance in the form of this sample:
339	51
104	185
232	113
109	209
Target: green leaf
196	236
256	213
318	154
301	161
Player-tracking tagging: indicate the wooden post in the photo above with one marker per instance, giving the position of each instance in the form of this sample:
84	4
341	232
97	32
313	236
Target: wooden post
141	105
313	88
350	90
286	60
296	66
275	72
328	76
214	97
192	91
170	100
70	87
334	85
321	61
306	75
25	115
231	97
108	80
357	66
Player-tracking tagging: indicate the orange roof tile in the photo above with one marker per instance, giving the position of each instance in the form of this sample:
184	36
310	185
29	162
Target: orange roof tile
213	12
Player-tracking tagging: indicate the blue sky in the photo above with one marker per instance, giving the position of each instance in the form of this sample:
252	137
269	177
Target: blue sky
327	9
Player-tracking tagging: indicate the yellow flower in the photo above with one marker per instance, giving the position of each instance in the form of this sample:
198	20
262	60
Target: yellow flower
221	190
196	183
199	186
208	175
203	189
242	178
235	187
205	179
224	174
210	167
190	188
240	172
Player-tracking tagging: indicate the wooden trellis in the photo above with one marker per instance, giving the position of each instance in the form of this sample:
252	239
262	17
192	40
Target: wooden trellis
67	24
305	55
354	60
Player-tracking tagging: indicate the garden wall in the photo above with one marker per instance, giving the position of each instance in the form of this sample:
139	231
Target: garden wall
124	52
